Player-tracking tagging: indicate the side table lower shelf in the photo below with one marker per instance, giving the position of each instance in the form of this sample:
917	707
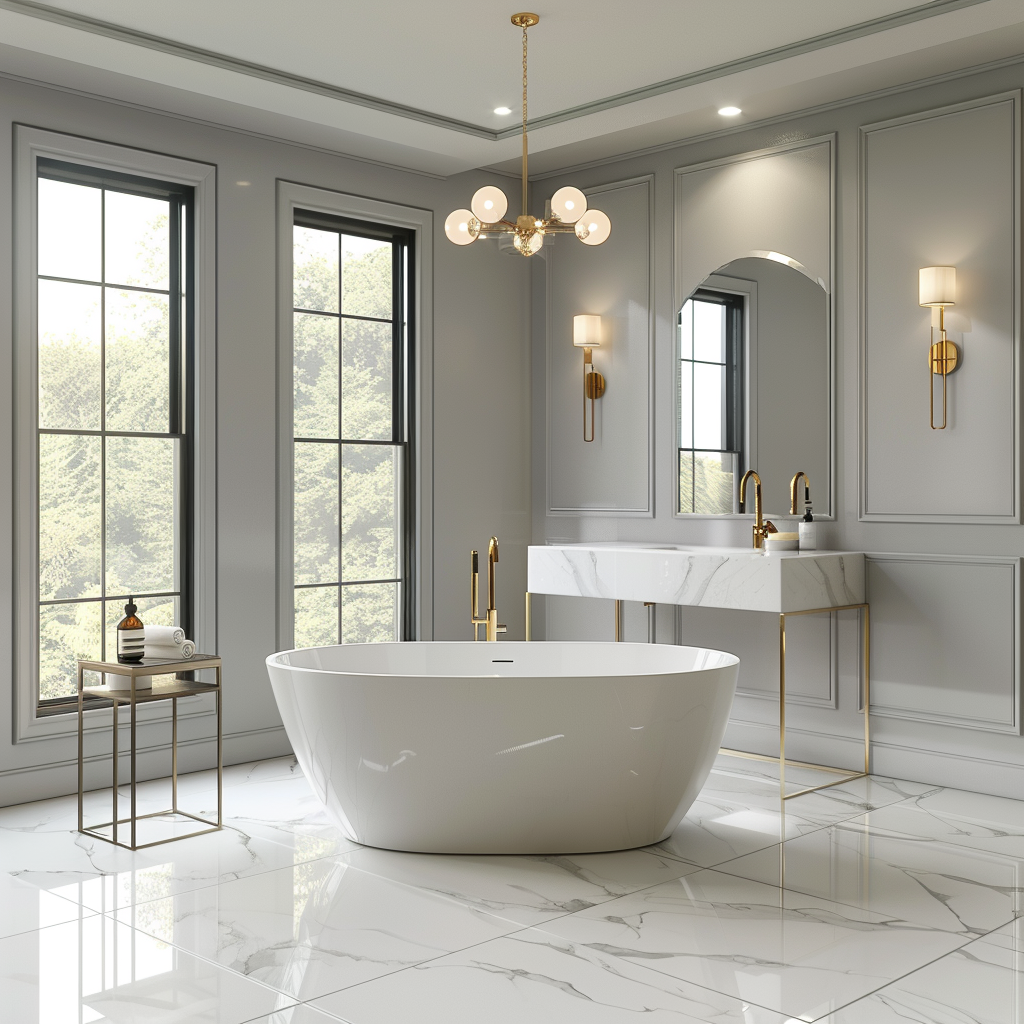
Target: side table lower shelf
131	696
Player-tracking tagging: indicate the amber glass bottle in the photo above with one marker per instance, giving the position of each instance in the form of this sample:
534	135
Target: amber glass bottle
131	635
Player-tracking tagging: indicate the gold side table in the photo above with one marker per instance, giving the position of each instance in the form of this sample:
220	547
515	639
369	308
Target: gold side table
130	696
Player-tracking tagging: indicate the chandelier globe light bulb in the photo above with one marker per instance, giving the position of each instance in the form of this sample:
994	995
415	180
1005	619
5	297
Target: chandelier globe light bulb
461	227
593	228
489	204
568	204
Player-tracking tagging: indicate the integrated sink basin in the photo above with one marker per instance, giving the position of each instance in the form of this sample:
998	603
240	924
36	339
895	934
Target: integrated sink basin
708	577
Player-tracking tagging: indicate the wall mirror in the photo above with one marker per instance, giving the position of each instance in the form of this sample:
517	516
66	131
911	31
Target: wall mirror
754	387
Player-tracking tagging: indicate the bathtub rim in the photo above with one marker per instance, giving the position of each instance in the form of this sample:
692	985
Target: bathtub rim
272	663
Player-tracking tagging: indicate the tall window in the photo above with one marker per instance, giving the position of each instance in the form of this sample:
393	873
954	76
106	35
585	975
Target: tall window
352	548
114	410
710	401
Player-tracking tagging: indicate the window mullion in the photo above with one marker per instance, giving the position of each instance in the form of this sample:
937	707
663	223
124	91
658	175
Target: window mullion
103	424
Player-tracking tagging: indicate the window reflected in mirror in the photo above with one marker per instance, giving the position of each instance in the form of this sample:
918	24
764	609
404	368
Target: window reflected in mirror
710	329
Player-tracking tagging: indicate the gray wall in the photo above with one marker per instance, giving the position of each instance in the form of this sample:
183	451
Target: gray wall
916	184
481	426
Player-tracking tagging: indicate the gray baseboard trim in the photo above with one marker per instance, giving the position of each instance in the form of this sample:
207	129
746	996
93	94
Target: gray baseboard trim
60	778
895	760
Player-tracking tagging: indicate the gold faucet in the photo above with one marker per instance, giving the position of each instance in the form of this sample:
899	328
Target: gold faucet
762	527
490	620
792	491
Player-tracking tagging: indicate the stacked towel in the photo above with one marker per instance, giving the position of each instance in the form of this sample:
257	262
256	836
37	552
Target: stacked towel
168	643
163	635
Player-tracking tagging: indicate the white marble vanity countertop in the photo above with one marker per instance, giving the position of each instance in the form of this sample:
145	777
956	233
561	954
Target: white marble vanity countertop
709	577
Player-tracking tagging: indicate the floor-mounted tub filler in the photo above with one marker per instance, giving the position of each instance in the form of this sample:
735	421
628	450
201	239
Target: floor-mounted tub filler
510	748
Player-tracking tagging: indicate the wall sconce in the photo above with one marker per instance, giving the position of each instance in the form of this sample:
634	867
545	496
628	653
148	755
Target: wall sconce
587	335
937	289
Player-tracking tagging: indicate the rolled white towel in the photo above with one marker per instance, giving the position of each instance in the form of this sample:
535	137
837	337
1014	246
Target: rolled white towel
163	635
171	652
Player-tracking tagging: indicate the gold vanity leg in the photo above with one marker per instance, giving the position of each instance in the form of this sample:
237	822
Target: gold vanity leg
866	626
529	618
618	622
782	706
220	750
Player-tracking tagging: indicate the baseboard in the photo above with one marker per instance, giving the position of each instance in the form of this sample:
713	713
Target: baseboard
60	778
898	761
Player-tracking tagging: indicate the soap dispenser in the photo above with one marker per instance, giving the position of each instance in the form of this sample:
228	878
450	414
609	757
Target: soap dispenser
131	635
808	528
808	531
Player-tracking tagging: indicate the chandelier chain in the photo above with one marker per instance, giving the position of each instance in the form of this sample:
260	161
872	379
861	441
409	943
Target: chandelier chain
525	26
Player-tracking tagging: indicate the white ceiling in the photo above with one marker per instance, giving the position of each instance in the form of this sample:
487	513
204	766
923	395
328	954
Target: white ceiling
386	82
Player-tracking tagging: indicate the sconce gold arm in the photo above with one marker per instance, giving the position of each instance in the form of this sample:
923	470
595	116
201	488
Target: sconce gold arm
593	388
792	491
943	359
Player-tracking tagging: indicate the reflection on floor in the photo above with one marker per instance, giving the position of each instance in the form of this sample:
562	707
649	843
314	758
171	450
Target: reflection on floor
876	902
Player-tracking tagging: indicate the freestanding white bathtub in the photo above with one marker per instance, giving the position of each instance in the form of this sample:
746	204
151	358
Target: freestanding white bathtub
514	748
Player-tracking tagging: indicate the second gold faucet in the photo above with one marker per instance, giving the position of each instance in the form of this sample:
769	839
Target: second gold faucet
762	527
490	620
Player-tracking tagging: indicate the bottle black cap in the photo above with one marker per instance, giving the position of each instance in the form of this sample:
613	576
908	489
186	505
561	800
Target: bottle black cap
130	608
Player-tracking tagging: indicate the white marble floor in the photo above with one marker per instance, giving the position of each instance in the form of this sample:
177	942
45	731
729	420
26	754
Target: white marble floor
876	902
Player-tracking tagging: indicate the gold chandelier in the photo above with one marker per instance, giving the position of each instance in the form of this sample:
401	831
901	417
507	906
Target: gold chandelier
567	213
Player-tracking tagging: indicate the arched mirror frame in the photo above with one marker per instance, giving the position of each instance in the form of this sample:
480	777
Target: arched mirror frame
776	203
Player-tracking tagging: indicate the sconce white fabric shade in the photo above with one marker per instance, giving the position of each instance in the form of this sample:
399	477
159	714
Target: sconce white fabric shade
937	286
586	330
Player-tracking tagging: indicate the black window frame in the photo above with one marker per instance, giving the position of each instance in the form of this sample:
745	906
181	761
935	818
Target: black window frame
734	406
181	340
403	397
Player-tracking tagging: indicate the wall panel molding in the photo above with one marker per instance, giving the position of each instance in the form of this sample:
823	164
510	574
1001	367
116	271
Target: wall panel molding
945	644
579	475
941	187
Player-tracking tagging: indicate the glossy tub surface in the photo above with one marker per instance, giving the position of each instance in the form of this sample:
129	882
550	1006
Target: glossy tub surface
513	748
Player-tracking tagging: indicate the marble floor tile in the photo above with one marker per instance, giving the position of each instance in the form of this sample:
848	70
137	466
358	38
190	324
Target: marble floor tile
980	983
933	884
301	1013
789	952
26	908
526	890
103	877
99	970
533	977
972	820
315	928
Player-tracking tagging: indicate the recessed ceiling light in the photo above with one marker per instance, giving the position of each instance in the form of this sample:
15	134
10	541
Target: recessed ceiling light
244	184
503	110
729	111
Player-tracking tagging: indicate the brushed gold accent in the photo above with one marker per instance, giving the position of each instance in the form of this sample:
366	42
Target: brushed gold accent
618	622
943	359
762	527
792	491
782	761
593	388
490	620
525	19
130	697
